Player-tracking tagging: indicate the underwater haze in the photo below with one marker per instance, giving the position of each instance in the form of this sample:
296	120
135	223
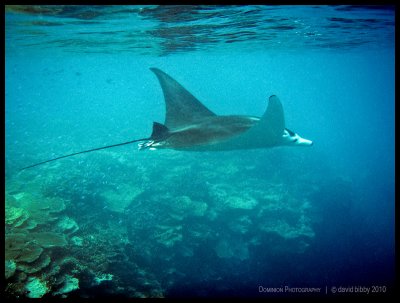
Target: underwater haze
283	221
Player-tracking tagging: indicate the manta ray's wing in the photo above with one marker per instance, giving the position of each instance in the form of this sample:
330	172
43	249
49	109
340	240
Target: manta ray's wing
267	132
272	123
182	108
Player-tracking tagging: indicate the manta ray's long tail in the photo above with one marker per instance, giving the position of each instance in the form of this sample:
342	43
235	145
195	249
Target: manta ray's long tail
85	151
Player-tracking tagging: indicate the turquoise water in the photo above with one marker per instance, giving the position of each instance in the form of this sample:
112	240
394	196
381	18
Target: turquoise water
173	223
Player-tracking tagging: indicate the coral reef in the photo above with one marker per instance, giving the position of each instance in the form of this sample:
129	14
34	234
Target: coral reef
15	216
229	197
67	225
231	249
118	198
33	247
70	284
77	241
117	227
48	239
103	277
10	267
20	248
167	235
36	288
184	206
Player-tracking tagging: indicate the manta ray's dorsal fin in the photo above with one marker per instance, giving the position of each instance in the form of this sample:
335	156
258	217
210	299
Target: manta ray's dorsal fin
182	108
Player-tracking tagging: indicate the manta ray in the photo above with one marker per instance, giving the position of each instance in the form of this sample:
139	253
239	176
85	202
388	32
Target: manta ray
189	125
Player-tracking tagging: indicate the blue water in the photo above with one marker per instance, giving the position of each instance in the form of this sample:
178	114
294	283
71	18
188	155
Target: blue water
78	78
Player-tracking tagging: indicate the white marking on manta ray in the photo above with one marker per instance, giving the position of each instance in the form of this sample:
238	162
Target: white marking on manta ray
189	125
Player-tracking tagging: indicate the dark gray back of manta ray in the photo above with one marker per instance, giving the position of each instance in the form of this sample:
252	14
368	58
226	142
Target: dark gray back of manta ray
266	133
182	108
